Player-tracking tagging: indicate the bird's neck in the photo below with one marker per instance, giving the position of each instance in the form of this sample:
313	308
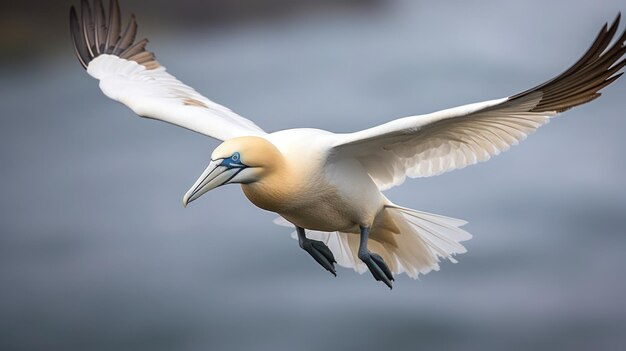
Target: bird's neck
276	189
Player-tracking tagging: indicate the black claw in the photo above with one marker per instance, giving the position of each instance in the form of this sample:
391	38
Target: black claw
320	246
321	254
374	262
379	269
381	263
322	260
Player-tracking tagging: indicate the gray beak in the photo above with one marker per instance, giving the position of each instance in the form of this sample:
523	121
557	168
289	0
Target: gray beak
213	176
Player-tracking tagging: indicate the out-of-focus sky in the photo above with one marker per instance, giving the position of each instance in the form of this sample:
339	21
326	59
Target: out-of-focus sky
97	253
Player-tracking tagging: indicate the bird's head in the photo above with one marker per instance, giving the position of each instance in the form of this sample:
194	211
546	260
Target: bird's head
239	160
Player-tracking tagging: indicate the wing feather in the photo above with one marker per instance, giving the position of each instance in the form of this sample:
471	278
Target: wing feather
115	24
100	28
128	38
88	27
427	145
83	52
130	74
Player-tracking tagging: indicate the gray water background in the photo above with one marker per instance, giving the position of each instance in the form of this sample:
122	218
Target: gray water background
97	252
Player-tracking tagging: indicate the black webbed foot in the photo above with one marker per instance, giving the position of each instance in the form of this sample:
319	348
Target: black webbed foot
319	251
374	262
377	267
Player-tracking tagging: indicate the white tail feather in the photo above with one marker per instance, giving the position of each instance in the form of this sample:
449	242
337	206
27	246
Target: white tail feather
423	239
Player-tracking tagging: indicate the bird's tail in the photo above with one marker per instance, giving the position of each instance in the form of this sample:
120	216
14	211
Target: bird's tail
409	241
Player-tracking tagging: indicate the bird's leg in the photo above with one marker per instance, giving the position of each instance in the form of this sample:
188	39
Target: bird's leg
318	250
374	262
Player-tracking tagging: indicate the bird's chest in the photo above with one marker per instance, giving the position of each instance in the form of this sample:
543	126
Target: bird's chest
270	197
314	204
288	195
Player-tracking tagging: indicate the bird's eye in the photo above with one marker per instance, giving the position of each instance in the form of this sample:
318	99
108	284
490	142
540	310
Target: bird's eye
235	157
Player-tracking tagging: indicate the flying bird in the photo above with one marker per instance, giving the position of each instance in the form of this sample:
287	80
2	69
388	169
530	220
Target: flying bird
329	186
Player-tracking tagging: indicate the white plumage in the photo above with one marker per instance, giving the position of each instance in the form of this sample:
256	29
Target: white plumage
154	93
330	184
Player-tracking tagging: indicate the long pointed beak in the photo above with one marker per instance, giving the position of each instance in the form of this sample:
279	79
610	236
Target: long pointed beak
212	177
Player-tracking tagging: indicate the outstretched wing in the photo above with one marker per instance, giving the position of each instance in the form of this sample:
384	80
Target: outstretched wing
431	144
130	74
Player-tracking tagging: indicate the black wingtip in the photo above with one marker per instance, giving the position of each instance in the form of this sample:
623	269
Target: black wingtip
100	25
616	21
73	16
114	26
95	33
581	83
75	32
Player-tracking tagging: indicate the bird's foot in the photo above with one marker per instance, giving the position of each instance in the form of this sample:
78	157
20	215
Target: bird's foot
321	253
377	267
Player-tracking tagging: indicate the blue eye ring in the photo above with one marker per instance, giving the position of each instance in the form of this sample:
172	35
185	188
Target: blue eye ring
235	157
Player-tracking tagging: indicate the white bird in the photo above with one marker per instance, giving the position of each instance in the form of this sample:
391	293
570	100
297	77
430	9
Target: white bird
329	186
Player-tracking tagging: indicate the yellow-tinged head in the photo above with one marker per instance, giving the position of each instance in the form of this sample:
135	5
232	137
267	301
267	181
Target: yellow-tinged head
239	160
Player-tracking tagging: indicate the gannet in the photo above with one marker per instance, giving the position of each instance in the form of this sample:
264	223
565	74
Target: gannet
329	186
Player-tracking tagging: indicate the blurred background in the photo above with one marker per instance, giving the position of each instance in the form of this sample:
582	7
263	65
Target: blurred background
97	252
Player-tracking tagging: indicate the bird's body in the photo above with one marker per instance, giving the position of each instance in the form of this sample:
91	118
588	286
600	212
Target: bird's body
311	188
312	191
329	186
